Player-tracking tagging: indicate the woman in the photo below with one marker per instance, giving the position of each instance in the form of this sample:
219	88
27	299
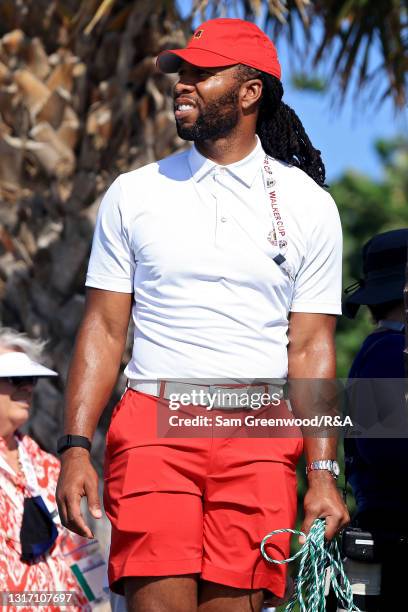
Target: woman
32	542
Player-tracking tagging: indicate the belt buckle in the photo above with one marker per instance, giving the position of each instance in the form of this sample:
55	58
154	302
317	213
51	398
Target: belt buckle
206	402
227	389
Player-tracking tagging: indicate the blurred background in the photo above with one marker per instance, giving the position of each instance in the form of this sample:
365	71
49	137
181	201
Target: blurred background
81	101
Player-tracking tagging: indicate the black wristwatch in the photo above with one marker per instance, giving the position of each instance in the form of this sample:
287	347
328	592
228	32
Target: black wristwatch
69	441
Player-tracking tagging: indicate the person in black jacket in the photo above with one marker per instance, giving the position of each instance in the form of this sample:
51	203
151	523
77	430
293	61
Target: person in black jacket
377	459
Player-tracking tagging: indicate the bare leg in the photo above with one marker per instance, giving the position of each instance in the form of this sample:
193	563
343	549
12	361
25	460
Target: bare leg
215	597
161	594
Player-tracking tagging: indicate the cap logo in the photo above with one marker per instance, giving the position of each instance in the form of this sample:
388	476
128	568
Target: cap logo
198	34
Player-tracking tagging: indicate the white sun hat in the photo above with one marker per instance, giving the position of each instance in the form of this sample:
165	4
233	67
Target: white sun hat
16	363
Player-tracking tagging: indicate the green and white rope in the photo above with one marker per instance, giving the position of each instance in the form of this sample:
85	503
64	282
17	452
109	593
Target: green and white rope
316	555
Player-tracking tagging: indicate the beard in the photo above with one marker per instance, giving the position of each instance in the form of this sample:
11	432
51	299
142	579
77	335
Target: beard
215	120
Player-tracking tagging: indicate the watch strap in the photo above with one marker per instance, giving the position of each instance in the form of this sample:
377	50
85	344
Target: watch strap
324	464
70	441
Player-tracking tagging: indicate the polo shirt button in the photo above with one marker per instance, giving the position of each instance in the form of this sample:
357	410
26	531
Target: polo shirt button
223	219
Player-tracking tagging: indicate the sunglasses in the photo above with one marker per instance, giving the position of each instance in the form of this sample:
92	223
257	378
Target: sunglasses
21	381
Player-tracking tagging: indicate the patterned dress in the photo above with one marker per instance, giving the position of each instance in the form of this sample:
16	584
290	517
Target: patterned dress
52	572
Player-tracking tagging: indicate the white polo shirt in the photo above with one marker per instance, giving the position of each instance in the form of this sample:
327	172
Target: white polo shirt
189	239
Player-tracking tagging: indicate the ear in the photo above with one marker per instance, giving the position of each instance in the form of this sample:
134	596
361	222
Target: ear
250	94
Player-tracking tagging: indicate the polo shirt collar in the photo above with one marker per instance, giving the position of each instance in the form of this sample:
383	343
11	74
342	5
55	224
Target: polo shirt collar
245	170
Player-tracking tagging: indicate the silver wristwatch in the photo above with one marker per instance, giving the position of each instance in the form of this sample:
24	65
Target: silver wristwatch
324	464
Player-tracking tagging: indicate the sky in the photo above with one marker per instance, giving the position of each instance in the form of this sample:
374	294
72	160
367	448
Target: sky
345	135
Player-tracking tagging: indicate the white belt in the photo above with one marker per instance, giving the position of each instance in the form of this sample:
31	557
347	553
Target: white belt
169	389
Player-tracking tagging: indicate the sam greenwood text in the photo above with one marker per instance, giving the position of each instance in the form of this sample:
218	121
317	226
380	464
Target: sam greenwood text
251	421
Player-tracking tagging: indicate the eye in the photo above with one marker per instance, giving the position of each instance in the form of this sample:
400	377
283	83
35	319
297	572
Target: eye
195	73
204	73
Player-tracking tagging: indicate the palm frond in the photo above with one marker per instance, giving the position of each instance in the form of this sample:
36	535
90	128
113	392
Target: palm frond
278	9
103	10
356	27
350	30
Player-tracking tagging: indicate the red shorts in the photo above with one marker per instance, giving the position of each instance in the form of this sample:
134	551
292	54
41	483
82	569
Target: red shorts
196	505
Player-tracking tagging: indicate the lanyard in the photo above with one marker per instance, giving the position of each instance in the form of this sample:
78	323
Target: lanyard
28	470
30	476
278	236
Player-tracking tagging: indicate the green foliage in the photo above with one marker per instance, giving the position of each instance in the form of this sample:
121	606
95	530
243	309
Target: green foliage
368	207
304	82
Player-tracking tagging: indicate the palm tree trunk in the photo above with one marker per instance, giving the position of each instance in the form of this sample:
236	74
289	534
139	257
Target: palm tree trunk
76	110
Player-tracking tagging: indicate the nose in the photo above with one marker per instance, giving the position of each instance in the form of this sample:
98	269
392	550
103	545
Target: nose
183	86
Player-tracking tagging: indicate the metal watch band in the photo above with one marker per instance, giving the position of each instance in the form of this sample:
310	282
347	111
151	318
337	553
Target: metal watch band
324	464
70	441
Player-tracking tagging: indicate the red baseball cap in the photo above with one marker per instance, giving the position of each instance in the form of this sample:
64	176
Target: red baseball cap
225	42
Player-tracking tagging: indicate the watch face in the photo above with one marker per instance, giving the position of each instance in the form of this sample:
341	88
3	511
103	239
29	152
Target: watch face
336	468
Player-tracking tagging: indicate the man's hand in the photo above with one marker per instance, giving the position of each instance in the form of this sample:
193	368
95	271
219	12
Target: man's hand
77	479
323	500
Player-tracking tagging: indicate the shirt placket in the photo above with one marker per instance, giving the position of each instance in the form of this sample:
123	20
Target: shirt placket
222	212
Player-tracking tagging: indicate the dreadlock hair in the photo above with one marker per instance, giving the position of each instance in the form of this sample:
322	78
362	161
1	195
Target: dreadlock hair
280	130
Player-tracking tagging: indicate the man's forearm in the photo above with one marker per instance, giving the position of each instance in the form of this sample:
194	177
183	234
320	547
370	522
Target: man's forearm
96	361
92	377
313	392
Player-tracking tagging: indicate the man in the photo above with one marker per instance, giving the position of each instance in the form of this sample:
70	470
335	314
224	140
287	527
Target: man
226	252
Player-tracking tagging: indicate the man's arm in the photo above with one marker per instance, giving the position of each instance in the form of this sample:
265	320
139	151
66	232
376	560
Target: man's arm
93	373
311	355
